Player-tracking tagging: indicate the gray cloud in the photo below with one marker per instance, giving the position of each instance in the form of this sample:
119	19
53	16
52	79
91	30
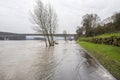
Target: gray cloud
14	14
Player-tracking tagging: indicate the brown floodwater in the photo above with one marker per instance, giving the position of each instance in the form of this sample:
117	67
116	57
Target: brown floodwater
31	60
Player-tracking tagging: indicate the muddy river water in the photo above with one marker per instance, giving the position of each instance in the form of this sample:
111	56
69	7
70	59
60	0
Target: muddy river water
30	60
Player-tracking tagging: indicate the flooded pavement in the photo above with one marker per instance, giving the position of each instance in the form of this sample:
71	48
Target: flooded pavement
30	60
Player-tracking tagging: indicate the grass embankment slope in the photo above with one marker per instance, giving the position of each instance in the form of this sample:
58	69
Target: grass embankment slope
107	35
101	36
107	55
109	39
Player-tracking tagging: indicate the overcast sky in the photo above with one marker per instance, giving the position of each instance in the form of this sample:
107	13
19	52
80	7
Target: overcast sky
15	14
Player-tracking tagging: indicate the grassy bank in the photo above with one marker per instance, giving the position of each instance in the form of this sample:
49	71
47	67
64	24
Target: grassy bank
109	39
108	35
108	56
101	36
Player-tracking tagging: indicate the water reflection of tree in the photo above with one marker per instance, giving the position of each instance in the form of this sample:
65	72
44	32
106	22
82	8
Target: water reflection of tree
46	67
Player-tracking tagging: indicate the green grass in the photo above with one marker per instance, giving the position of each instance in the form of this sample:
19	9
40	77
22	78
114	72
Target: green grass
101	36
107	35
85	38
108	56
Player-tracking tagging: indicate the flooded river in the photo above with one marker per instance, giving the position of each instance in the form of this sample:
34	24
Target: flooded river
30	60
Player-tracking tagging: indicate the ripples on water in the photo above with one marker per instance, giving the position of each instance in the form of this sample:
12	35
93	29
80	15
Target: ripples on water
31	60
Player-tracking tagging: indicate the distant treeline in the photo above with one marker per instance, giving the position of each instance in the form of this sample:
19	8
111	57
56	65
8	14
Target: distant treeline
93	26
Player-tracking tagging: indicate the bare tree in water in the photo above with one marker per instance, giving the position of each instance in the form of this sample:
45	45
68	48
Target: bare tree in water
65	35
46	20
